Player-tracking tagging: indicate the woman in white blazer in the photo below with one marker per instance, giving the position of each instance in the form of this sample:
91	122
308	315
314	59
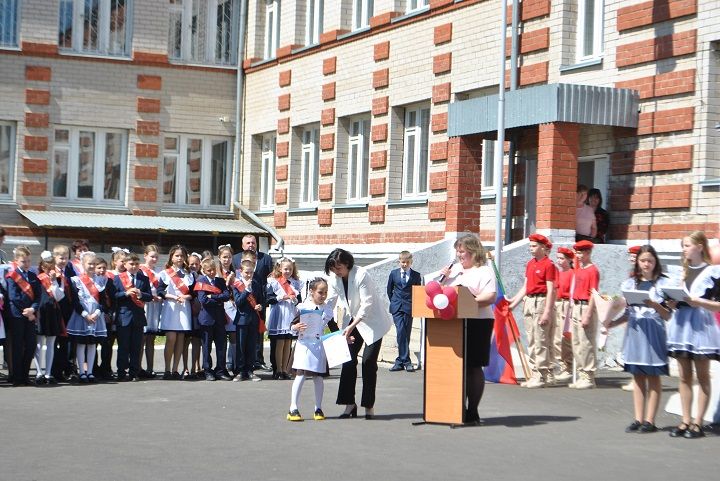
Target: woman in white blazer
364	320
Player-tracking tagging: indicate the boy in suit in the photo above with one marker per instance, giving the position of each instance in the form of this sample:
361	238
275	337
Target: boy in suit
399	291
212	294
247	321
132	291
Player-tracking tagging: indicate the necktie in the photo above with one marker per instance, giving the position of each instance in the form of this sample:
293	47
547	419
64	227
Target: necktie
132	279
404	279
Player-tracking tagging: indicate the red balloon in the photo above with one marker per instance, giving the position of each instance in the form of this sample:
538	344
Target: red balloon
448	312
451	294
433	288
429	303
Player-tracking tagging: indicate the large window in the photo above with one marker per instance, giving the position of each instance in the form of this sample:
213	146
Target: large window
89	164
9	15
272	28
204	31
7	157
314	22
358	159
589	29
488	166
95	26
195	171
310	166
267	187
362	11
413	5
415	154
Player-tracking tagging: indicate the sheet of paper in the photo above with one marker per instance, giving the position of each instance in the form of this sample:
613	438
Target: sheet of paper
336	349
677	293
636	297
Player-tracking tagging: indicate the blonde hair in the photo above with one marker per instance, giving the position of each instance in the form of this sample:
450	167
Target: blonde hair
21	251
472	245
151	248
60	249
206	264
276	270
698	238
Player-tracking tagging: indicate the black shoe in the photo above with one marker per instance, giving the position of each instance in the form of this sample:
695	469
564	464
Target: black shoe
679	431
83	379
209	376
635	426
91	379
647	427
224	376
135	379
472	418
410	368
166	376
276	376
693	432
121	376
396	368
39	381
351	414
51	380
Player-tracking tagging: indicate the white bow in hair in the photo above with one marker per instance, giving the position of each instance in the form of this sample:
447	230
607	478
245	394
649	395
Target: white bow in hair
46	256
224	245
119	249
196	255
287	258
86	254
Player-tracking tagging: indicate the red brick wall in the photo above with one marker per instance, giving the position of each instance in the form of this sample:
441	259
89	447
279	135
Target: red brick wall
462	209
558	150
657	197
671	83
657	48
652	160
654	11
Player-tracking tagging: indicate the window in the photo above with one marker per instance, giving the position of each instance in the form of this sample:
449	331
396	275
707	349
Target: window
267	186
272	27
415	153
313	22
362	11
310	166
413	5
95	26
358	159
89	164
9	14
589	29
204	31
195	171
488	166
7	157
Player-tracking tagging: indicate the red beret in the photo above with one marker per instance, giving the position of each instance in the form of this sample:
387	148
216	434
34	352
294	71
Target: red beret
540	239
634	250
583	245
566	252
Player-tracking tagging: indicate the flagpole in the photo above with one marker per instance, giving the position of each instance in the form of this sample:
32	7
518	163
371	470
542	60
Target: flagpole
518	344
500	146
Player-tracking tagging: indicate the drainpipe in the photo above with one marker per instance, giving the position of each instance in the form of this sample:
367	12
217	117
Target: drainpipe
239	89
515	46
279	241
499	152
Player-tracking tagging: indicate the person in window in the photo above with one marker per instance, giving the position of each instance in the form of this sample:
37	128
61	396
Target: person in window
585	224
602	218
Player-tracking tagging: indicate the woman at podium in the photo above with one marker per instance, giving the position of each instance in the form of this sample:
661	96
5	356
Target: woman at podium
470	270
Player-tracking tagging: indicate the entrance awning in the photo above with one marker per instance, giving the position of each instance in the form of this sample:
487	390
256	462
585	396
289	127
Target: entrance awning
85	220
582	104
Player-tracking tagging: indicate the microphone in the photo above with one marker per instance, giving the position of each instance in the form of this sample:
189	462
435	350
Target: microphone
442	277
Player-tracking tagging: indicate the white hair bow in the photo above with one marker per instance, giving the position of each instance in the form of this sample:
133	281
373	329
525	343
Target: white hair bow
86	254
46	256
118	249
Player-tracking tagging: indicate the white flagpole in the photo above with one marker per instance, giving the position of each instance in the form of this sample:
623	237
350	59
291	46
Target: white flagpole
499	150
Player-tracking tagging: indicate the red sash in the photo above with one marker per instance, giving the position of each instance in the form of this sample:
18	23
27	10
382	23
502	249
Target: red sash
78	266
90	286
127	285
240	286
201	286
287	287
21	283
150	274
110	275
179	284
47	284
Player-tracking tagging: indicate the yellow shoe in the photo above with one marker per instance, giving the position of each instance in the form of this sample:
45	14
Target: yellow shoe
294	415
319	415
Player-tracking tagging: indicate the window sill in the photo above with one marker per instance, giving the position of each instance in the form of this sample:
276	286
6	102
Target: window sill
487	196
72	53
714	182
581	65
354	32
305	48
357	205
13	48
119	208
302	210
180	62
186	211
263	61
406	202
411	14
267	211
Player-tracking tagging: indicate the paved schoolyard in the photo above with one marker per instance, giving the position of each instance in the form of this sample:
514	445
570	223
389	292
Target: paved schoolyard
197	430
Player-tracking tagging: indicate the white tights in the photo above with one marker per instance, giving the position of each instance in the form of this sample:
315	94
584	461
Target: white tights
82	357
297	387
49	342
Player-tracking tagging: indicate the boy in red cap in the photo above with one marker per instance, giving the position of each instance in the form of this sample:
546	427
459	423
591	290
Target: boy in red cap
562	351
538	292
584	318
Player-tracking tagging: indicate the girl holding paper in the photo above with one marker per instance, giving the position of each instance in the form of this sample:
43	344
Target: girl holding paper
693	332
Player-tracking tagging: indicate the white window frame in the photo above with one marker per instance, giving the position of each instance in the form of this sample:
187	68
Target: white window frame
313	21
362	10
210	54
415	5
205	172
11	140
597	46
272	28
488	166
310	167
73	150
268	161
104	24
359	167
9	36
421	137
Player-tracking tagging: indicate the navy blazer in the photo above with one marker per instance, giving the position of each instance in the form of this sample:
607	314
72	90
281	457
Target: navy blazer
127	311
211	305
263	268
18	300
401	296
245	312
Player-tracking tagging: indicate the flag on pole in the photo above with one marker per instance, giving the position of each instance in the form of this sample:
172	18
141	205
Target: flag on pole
501	369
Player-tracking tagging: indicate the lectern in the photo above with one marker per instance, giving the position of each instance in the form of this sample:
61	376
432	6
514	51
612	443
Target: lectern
445	346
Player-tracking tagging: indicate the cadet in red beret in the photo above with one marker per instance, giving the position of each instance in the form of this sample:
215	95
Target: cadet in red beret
562	347
538	293
584	318
633	251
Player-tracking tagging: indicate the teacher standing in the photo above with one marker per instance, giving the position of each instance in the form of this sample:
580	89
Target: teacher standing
364	319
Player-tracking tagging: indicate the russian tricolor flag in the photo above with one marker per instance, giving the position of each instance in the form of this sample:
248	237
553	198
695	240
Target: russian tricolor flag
501	368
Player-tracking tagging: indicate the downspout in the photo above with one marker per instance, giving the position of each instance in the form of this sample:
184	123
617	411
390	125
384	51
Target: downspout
515	46
239	90
279	241
499	152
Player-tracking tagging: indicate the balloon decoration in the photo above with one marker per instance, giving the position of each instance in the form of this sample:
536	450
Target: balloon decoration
442	300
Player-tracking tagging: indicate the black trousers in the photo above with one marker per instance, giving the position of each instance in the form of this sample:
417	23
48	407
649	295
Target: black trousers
348	374
130	340
106	352
216	334
61	363
23	334
245	348
260	345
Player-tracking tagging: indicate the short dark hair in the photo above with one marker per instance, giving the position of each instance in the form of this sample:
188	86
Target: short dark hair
595	193
339	256
79	244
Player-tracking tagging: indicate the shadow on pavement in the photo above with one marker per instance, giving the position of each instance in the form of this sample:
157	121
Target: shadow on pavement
526	420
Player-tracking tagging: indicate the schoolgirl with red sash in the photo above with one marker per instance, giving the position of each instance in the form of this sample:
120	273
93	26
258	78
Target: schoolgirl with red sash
152	309
247	324
50	322
283	295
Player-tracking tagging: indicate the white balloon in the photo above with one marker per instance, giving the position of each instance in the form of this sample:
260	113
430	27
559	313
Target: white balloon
441	301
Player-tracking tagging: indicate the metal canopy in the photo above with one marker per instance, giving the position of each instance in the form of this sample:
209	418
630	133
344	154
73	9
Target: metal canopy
50	219
582	104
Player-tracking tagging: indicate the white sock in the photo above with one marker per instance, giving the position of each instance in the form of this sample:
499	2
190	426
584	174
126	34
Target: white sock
318	382
80	351
296	388
91	351
38	356
49	354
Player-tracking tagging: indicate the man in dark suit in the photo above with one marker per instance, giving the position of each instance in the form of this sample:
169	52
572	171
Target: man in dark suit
399	291
212	293
132	291
263	268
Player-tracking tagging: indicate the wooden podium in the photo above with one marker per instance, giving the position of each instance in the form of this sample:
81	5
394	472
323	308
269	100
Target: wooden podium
444	390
